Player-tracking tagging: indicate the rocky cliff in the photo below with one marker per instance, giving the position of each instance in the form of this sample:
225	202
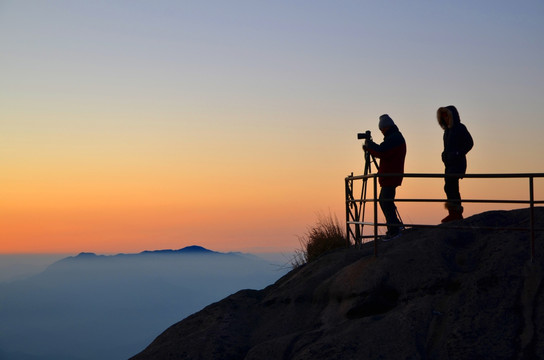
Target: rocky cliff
431	294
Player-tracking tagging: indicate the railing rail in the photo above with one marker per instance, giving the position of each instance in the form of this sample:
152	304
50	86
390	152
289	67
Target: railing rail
355	207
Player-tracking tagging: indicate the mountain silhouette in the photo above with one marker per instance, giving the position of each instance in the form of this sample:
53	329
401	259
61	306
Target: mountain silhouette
188	250
93	306
193	249
431	294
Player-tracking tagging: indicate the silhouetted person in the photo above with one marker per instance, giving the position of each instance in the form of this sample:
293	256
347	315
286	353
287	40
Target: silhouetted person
457	143
391	152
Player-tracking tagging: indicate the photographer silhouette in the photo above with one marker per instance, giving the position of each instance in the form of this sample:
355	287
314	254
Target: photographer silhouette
391	152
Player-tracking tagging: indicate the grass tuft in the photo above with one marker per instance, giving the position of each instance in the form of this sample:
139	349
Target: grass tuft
324	236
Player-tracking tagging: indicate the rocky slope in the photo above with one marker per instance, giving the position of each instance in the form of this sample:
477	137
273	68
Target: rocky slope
431	294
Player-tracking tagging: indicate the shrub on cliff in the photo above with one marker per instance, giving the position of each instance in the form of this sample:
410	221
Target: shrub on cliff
327	234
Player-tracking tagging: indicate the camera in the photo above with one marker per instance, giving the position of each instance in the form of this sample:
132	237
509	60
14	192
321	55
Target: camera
366	135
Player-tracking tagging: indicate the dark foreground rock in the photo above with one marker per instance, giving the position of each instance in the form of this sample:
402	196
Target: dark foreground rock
431	294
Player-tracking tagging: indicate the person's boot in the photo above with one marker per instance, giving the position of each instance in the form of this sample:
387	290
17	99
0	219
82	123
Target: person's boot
448	218
455	212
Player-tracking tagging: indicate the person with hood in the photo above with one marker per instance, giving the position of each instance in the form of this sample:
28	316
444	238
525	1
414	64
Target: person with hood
457	143
391	152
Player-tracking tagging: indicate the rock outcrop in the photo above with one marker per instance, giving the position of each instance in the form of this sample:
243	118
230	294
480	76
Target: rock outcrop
431	294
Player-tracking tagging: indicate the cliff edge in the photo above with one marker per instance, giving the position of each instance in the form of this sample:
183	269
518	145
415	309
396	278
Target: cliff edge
431	294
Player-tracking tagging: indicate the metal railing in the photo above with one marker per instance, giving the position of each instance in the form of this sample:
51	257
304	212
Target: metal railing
355	208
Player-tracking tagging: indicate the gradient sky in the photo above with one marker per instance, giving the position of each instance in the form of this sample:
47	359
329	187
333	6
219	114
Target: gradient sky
133	125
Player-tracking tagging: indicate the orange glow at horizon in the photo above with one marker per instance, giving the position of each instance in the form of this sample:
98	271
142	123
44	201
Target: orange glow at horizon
126	230
228	214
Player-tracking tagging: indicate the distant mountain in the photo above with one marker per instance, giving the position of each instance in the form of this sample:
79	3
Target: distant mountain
134	261
430	294
188	250
193	250
93	306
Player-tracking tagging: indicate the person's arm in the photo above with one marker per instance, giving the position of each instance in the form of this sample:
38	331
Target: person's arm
374	149
467	141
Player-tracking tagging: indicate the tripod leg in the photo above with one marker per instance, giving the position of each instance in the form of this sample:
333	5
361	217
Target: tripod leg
400	219
364	188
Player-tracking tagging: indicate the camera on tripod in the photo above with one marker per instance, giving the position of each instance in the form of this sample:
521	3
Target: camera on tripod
366	135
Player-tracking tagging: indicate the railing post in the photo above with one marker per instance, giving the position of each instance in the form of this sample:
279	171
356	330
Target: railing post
375	182
532	214
346	184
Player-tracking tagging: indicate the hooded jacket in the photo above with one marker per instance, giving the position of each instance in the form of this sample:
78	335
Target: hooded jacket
457	141
391	152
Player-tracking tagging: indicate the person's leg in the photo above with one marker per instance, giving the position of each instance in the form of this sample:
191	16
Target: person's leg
453	204
387	195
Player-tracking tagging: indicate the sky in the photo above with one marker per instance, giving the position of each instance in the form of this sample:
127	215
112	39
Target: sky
135	125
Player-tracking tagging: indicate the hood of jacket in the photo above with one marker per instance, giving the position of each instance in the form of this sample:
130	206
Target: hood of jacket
392	129
450	112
